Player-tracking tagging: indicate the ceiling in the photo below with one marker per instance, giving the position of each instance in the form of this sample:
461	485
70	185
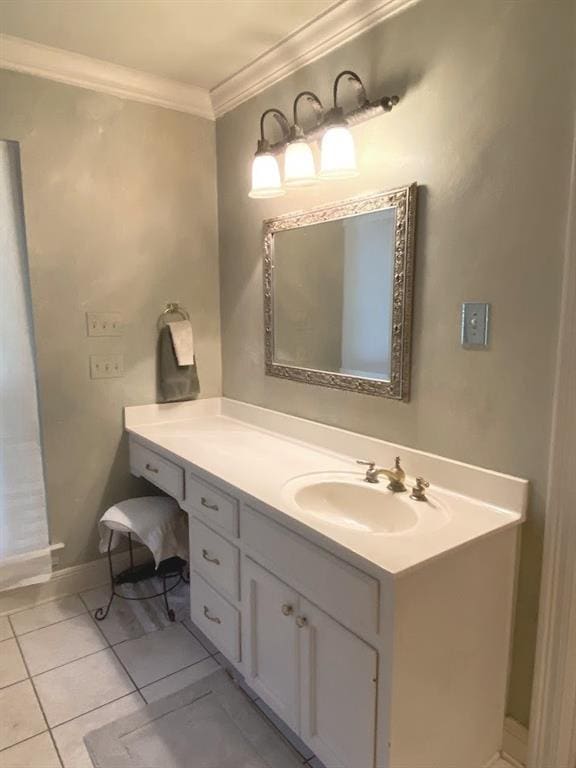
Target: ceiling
199	42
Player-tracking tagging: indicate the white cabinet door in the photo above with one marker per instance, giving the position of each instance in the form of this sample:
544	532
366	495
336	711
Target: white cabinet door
271	641
338	700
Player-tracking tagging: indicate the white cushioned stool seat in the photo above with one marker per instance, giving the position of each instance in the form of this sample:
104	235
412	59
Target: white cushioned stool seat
155	521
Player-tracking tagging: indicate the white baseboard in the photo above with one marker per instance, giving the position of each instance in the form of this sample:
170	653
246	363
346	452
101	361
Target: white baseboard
68	581
515	742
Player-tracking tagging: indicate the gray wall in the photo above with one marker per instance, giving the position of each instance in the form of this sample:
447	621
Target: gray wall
484	125
120	208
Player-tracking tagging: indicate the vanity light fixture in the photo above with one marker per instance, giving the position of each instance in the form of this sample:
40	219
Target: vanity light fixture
266	180
299	166
337	150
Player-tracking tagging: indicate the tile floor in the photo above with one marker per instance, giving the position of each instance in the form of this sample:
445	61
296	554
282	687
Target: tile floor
63	674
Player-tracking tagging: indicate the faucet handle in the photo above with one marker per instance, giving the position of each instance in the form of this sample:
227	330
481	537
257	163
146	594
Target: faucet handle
419	490
369	464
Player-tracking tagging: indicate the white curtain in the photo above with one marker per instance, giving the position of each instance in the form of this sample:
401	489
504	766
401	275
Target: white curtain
24	538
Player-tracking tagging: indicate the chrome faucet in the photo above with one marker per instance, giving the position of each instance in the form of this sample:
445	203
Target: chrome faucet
395	475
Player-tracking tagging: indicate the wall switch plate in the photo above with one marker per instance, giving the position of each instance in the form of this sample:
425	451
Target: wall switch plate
104	323
106	366
474	324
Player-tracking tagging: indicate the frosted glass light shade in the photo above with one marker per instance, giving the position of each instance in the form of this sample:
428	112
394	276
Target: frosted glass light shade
338	154
299	168
266	181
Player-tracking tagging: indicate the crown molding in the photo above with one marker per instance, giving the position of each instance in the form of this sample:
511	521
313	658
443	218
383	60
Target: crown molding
339	24
336	26
32	58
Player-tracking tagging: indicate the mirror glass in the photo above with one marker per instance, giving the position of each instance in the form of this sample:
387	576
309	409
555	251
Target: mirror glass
333	295
338	294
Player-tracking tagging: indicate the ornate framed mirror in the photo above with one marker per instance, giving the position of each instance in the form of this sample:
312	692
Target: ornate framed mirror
338	284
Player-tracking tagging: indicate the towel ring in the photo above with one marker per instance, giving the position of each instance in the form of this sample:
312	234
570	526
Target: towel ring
172	308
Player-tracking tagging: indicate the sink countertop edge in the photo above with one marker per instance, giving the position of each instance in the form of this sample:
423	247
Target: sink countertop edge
273	503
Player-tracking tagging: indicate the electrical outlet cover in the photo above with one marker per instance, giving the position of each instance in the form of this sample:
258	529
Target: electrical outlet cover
106	366
104	323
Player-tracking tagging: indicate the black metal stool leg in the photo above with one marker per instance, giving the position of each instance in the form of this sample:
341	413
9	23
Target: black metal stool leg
101	613
169	611
131	551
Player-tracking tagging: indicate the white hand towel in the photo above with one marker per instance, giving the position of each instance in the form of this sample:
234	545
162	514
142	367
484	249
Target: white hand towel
182	341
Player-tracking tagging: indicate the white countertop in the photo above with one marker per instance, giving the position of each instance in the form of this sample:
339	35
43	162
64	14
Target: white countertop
258	452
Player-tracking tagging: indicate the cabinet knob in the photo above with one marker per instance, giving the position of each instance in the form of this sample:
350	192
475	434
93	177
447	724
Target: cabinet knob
150	468
287	609
301	621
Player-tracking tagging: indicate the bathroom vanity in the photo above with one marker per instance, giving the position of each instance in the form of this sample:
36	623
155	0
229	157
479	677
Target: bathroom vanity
376	626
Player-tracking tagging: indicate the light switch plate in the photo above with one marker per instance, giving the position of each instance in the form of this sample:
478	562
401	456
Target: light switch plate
106	366
474	324
104	323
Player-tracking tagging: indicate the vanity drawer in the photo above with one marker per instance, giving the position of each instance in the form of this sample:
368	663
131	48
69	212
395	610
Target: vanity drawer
344	592
215	558
219	620
215	507
158	470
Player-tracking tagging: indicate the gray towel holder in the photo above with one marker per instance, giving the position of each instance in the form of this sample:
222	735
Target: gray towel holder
172	308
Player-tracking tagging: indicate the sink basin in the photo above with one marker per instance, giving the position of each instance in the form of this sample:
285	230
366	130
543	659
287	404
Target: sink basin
344	500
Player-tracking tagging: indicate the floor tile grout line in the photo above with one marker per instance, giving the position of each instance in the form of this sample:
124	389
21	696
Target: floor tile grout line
212	653
94	709
92	611
22	680
40	705
111	647
40	604
58	666
71	661
23	741
177	672
277	729
52	624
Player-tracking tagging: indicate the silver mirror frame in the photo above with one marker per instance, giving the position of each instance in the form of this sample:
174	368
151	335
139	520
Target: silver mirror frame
403	200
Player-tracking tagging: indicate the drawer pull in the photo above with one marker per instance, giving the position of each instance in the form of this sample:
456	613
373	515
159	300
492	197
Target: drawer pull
207	557
215	619
301	621
287	609
150	468
207	504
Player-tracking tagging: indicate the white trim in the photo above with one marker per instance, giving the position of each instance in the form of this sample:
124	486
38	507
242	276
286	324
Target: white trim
28	568
341	23
552	740
75	69
514	742
67	581
336	26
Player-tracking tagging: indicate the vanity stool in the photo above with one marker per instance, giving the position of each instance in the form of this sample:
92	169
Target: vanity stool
159	524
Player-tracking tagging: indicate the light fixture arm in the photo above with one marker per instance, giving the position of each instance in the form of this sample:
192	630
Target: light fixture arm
312	99
357	84
281	119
